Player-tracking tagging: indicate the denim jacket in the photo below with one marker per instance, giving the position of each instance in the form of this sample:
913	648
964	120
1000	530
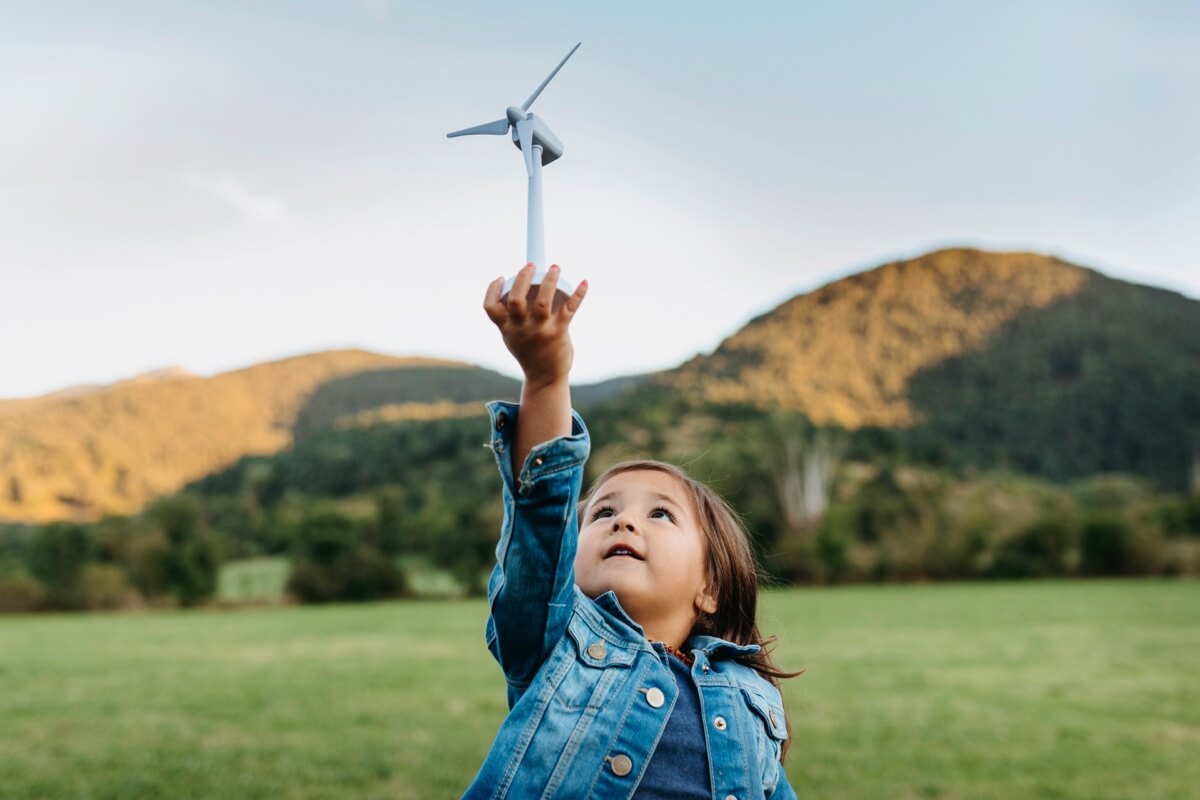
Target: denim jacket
584	714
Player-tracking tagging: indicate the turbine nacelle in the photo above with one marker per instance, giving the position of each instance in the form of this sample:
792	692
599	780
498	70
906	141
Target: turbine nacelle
540	135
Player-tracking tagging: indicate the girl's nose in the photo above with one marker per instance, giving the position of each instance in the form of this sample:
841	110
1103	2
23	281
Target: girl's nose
622	524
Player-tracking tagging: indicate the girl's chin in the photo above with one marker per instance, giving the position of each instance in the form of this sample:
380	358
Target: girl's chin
627	588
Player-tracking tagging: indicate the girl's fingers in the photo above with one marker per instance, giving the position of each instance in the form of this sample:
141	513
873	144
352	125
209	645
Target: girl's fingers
495	309
519	293
574	301
545	296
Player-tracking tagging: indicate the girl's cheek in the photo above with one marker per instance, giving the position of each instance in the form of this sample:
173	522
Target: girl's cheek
583	548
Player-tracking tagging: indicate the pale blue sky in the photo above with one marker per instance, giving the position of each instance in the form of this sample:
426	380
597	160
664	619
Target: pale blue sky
214	184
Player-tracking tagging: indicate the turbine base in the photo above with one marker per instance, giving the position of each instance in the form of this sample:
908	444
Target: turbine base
564	289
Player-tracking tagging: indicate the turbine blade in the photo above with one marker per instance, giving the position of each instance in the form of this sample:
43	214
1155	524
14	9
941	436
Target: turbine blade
525	106
525	134
497	128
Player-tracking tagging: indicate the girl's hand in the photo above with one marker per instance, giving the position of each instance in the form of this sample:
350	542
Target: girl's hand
534	331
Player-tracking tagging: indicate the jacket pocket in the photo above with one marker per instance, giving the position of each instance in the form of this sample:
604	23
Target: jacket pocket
768	711
597	663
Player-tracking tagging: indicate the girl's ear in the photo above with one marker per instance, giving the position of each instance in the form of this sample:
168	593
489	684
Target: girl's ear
705	603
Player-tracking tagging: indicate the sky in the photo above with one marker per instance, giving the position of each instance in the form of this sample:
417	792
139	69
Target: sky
211	185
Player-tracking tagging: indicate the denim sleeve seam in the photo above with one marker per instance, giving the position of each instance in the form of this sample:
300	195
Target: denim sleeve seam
525	484
555	470
517	684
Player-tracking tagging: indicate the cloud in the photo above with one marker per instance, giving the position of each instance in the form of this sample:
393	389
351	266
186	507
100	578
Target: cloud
233	191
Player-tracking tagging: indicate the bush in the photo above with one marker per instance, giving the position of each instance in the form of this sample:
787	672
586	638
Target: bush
832	548
1191	513
832	551
191	571
1038	551
1105	546
356	576
57	556
106	587
189	565
335	563
313	583
20	592
1180	515
960	547
367	574
147	555
1181	558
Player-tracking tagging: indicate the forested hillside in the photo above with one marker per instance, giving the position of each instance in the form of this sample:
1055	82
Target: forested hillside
109	450
955	416
1015	360
82	453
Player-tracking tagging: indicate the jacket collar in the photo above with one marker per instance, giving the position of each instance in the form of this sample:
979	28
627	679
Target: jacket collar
621	624
713	645
610	616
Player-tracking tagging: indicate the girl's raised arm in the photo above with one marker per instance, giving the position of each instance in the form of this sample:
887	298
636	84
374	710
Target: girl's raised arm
531	590
537	335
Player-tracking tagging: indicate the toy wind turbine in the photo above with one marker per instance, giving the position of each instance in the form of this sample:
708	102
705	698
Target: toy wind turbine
540	146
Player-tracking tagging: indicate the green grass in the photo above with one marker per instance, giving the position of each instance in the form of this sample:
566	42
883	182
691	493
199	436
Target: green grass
253	580
429	581
1035	690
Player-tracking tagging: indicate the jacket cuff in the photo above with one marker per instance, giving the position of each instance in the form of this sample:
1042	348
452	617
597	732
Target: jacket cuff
547	458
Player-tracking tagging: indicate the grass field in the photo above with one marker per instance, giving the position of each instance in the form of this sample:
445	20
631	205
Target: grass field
1033	690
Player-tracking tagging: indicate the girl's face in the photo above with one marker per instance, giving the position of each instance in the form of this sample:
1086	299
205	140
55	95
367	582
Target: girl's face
640	537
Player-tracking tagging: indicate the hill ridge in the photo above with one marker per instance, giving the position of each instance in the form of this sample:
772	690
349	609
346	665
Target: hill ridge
112	450
844	352
916	344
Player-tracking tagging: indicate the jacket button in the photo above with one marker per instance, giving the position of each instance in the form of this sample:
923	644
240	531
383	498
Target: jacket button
621	765
730	797
596	650
501	421
655	697
720	724
537	462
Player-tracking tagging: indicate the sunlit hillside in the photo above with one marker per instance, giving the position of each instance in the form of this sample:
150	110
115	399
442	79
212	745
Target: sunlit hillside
846	353
82	454
1015	360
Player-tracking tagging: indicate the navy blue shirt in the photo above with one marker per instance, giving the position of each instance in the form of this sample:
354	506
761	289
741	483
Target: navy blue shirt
678	768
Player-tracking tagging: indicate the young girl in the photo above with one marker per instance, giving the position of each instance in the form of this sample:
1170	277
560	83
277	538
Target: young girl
624	623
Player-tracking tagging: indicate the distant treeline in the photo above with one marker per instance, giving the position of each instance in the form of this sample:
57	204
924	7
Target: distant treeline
348	507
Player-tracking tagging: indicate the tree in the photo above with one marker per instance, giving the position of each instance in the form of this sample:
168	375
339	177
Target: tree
189	565
57	556
810	460
1105	546
334	561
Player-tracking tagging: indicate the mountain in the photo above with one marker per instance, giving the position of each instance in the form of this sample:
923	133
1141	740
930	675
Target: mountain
89	451
846	353
111	449
80	389
962	357
1015	360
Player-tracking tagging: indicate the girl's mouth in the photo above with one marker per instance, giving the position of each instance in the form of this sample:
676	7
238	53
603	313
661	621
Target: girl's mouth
621	550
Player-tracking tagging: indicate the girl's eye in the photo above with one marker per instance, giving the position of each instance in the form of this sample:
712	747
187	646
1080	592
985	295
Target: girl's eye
602	511
662	513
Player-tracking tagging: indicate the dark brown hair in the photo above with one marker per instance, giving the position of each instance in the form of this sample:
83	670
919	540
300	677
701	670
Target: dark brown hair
731	569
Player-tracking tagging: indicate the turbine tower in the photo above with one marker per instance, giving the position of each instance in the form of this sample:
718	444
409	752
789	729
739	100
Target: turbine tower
540	146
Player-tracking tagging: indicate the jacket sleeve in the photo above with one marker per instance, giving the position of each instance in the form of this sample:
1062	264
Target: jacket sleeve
783	790
532	587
